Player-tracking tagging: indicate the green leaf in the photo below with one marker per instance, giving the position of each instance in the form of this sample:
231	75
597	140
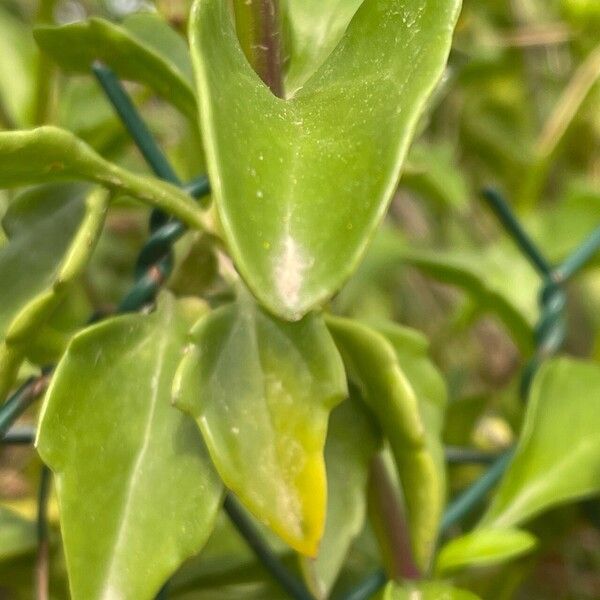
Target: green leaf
261	390
314	30
50	154
436	176
499	279
136	489
557	458
427	590
52	232
301	184
408	405
483	547
18	536
352	441
134	53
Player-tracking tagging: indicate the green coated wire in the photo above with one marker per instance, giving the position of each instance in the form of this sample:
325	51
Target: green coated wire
582	255
20	435
468	500
136	127
456	455
506	216
20	401
292	585
366	588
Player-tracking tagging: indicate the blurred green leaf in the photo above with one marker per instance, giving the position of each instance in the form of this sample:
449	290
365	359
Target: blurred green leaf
483	547
499	279
17	66
52	232
435	175
558	454
410	413
145	50
17	535
428	590
111	436
300	187
265	427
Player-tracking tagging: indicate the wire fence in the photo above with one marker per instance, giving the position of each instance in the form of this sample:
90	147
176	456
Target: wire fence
153	267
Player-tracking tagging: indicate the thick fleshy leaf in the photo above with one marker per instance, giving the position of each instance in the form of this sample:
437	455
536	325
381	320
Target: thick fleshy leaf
17	535
136	488
408	405
261	391
428	590
483	547
314	29
50	154
352	441
52	232
135	52
557	458
301	184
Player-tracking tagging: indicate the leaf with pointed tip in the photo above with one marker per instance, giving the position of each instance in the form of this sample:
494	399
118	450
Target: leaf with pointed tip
52	232
48	154
407	396
557	458
133	52
426	590
315	28
137	491
301	184
352	440
17	535
483	547
261	390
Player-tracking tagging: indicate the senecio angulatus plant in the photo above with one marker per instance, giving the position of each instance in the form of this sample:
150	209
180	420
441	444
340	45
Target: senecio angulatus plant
250	399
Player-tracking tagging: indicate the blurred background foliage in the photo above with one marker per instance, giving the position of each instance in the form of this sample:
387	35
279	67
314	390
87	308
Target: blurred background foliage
518	109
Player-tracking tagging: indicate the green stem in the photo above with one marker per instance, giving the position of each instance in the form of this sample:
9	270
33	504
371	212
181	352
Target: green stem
259	31
389	521
43	553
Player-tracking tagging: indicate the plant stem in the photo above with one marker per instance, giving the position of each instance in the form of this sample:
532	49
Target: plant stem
259	31
390	523
43	554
